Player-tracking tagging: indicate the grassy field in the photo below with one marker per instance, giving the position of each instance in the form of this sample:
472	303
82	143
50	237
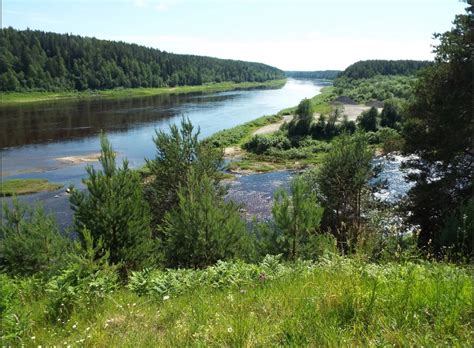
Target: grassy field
29	97
26	186
335	302
238	135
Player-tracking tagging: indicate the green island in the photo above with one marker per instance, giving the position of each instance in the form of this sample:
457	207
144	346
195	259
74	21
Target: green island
15	187
12	98
160	257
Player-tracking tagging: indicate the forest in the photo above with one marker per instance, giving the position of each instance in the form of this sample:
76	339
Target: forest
33	60
323	74
369	68
159	256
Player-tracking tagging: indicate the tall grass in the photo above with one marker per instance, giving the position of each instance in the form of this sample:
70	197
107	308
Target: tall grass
336	301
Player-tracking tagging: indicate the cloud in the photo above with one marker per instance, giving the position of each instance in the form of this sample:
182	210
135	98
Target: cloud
314	51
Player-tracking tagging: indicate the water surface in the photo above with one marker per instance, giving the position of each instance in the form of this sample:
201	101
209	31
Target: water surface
33	136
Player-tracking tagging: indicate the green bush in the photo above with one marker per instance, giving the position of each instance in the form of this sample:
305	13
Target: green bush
30	241
83	282
259	144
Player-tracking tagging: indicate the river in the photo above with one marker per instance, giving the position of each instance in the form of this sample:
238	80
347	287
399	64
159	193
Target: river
34	136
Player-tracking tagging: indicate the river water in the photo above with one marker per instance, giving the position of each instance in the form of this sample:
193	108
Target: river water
34	136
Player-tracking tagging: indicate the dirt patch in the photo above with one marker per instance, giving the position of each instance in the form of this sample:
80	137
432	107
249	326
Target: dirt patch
79	159
353	111
271	128
233	152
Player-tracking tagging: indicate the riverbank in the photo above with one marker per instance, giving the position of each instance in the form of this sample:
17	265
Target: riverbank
32	97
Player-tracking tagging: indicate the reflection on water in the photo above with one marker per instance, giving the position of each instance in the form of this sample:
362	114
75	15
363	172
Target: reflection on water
66	120
34	136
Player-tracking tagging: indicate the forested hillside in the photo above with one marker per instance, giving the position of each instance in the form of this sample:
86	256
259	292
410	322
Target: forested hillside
368	68
324	74
37	60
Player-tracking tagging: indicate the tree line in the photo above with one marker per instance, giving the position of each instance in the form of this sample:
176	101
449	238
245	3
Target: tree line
324	74
45	61
369	68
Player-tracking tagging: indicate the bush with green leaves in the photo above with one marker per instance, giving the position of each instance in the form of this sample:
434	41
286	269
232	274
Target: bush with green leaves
391	115
368	120
204	228
84	281
301	123
297	215
114	210
390	139
259	144
222	275
30	241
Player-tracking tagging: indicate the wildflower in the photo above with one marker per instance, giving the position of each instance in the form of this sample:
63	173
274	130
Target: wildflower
229	329
165	298
33	337
74	326
88	328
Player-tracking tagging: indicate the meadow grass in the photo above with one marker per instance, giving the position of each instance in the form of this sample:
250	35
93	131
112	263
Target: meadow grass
8	98
238	135
334	302
26	186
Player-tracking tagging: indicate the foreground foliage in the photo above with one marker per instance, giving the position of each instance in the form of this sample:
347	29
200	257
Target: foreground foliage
336	301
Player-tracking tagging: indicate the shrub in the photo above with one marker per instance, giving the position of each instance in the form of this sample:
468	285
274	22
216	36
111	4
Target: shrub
87	279
390	139
368	120
30	241
259	144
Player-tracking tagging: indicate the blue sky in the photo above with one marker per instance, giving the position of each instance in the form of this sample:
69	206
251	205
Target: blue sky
288	34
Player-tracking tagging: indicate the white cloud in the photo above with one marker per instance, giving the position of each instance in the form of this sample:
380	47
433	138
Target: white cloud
314	51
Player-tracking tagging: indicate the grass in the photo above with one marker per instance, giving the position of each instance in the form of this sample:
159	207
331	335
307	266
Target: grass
238	135
321	102
26	186
336	302
30	97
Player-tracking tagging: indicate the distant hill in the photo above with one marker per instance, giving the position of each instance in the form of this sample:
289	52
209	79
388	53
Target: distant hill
37	60
369	68
324	74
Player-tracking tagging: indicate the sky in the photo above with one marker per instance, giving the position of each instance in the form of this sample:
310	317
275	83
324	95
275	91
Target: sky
288	34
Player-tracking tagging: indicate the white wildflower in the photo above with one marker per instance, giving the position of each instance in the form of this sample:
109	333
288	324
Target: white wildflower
165	298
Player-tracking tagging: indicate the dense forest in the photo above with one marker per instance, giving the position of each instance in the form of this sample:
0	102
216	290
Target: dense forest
369	68
37	60
324	74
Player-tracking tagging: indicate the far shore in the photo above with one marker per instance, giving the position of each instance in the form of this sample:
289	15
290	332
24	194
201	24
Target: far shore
16	98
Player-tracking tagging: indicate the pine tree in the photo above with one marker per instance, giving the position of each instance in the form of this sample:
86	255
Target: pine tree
114	210
203	228
297	215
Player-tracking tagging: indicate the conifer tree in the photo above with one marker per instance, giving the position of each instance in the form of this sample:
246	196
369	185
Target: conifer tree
297	215
203	228
114	210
